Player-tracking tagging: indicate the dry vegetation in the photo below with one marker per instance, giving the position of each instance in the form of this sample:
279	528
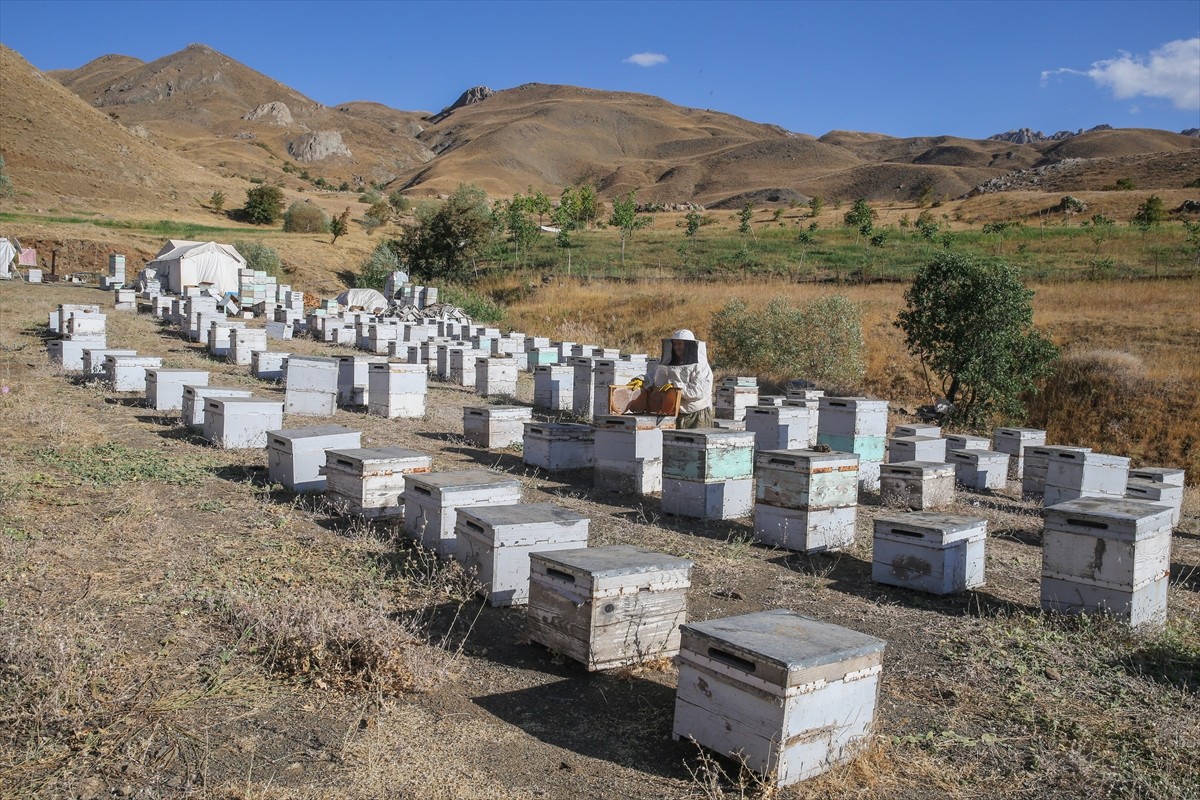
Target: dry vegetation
174	626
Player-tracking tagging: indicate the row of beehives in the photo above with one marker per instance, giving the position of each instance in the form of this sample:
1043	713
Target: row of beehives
780	676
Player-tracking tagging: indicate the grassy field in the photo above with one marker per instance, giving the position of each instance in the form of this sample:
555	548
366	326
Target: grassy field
174	625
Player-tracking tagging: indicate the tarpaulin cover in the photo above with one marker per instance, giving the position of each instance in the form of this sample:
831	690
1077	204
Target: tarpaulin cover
366	299
180	263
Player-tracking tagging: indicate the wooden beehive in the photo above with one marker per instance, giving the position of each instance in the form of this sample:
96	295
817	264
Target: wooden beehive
370	481
613	372
396	389
805	530
920	485
959	441
732	401
806	479
128	373
69	352
93	358
164	387
980	470
583	384
268	366
496	426
192	413
555	446
296	456
553	387
1014	441
916	448
791	695
494	543
628	453
244	342
608	607
929	551
1107	555
432	499
918	429
1158	493
353	381
1037	461
312	386
496	376
781	427
1071	475
239	423
462	365
708	473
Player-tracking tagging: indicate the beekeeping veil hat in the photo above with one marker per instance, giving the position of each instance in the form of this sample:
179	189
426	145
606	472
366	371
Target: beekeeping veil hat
694	351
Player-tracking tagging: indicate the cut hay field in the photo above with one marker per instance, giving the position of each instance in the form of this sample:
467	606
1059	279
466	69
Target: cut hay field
172	625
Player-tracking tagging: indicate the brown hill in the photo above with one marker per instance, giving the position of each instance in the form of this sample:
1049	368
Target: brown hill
1118	143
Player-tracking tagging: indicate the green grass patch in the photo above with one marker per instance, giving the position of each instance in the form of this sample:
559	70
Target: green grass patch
113	464
163	227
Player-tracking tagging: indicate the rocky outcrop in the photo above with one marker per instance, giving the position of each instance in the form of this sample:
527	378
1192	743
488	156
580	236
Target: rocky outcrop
1191	132
476	94
1029	136
273	113
318	146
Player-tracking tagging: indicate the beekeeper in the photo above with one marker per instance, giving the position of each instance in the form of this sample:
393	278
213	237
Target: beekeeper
684	365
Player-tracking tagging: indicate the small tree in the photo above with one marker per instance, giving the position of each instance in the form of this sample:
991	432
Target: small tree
744	216
448	234
820	341
340	225
217	202
302	217
692	224
860	216
260	257
815	205
399	202
625	217
1150	213
264	205
589	205
375	268
971	324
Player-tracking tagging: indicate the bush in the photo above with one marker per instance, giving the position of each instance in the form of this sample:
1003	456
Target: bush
821	341
305	218
479	308
260	257
399	202
264	205
377	215
373	272
370	198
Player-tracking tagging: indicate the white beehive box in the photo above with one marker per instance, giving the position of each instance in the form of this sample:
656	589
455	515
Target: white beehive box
916	448
69	352
396	389
608	607
164	387
980	470
1107	555
244	342
1037	462
920	485
494	543
442	351
781	427
1014	441
628	453
353	382
192	413
236	423
1163	494
82	325
218	337
929	551
960	441
432	500
732	401
641	476
312	385
583	386
708	473
57	321
496	426
852	416
93	358
557	446
370	481
128	373
553	387
805	530
917	429
768	400
790	695
1071	475
124	299
806	479
380	337
1168	475
462	365
496	376
267	365
295	456
728	499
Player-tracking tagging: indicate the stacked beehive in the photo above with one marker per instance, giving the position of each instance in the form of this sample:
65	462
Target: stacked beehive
805	500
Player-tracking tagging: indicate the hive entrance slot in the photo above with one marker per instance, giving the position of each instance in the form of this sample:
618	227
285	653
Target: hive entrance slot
558	573
1087	523
729	659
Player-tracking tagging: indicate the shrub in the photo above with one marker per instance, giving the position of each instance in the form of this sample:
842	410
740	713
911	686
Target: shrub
377	215
264	204
821	341
399	202
370	198
480	308
305	218
373	271
260	257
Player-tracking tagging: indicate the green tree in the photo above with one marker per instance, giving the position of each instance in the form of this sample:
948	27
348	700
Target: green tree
1150	213
539	203
589	205
447	235
815	205
378	214
522	230
264	205
260	257
565	218
399	202
373	271
340	225
744	216
820	341
861	216
625	217
302	217
216	202
692	224
971	325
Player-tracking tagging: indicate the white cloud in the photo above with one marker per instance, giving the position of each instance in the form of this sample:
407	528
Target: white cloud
646	59
1172	72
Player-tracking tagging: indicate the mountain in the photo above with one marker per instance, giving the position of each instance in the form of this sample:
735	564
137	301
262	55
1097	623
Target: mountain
209	109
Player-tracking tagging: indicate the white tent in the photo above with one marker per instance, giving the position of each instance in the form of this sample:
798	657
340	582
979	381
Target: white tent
366	299
7	254
180	263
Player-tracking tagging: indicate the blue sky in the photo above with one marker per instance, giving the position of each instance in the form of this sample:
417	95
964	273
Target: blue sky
901	68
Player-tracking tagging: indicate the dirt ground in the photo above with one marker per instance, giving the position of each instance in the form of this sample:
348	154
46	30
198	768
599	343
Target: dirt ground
172	625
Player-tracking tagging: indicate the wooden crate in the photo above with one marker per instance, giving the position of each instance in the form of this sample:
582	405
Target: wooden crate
431	502
929	551
496	426
980	470
920	485
296	456
805	530
494	543
555	446
164	387
791	695
241	423
1107	555
370	481
608	607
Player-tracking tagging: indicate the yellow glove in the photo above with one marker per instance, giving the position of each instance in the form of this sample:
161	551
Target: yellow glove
666	387
636	383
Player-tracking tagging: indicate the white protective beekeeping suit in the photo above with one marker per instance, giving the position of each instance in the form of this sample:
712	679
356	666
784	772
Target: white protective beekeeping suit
689	371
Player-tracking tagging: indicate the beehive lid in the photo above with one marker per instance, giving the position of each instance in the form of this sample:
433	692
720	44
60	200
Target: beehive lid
923	468
521	514
807	461
559	430
295	436
395	366
299	361
1109	517
1142	489
976	454
361	457
156	371
460	479
201	392
613	561
500	412
254	402
1170	475
916	439
854	404
709	437
1019	433
1091	459
1051	449
931	527
633	422
781	642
